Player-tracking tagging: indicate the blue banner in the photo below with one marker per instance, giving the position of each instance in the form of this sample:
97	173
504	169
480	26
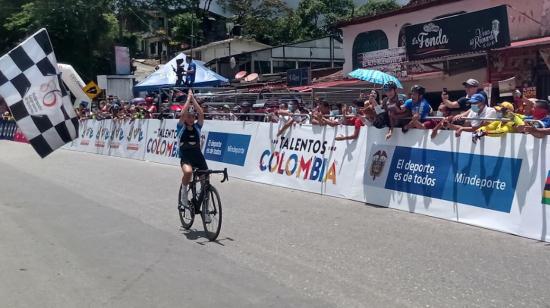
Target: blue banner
227	148
7	129
479	180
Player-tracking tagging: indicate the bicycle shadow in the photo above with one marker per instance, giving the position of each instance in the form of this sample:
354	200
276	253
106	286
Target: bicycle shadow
199	236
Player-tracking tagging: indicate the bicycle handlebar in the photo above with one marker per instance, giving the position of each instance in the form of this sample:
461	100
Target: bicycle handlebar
208	172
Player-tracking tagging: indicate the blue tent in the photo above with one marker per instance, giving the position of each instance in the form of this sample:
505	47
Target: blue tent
166	77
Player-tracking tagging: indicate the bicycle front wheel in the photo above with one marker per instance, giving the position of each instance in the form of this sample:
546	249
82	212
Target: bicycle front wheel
187	213
212	214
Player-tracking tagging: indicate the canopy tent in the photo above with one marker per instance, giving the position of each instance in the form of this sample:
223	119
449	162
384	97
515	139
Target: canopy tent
166	77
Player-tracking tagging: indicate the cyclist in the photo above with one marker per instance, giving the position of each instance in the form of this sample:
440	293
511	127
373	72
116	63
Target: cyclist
189	134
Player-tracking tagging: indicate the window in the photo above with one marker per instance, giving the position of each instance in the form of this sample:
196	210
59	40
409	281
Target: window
262	67
368	41
303	64
153	48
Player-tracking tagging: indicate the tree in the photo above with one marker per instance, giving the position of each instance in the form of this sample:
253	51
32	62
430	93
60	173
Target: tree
263	20
83	33
374	7
318	16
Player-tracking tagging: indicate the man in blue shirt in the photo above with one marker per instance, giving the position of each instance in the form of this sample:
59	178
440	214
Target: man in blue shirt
191	71
419	108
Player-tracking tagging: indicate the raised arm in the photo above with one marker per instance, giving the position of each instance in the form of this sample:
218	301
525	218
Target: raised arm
198	108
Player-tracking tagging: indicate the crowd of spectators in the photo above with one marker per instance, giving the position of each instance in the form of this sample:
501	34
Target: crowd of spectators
387	109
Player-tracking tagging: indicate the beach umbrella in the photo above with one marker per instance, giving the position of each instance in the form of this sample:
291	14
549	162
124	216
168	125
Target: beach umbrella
374	76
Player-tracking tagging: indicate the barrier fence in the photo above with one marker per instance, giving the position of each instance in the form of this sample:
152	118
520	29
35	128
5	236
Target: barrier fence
500	183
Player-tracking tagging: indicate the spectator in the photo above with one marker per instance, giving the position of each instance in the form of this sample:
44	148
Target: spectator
499	128
392	115
321	115
150	108
521	104
539	126
180	72
478	110
372	106
462	104
246	108
191	72
442	124
354	119
418	106
290	116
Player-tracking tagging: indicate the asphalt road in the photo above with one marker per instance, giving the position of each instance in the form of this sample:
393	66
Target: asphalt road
81	230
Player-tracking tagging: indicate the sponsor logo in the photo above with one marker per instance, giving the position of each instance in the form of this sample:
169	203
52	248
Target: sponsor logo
226	148
478	180
163	143
378	161
308	161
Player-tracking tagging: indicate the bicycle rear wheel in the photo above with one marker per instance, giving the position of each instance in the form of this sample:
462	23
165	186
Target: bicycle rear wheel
187	214
212	207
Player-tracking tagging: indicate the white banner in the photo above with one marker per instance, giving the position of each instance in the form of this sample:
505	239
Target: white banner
498	183
161	143
128	139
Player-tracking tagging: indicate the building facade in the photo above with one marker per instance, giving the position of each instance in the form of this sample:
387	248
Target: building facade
325	52
225	48
387	34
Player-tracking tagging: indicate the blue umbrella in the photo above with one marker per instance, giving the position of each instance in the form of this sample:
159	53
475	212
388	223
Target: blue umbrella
374	76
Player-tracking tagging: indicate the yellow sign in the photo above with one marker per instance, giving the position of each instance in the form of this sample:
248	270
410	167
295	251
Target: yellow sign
92	90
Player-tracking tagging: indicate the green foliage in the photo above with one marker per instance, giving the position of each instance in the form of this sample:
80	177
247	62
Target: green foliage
182	24
84	32
317	16
374	7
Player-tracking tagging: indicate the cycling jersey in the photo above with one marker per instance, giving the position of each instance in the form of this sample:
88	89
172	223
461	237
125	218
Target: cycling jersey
190	146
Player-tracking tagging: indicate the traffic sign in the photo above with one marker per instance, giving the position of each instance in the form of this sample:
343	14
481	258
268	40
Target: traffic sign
92	90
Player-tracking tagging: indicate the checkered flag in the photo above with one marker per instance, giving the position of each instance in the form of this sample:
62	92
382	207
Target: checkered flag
31	85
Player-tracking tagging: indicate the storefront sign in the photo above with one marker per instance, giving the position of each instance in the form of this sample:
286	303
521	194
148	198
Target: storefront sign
298	77
469	32
391	61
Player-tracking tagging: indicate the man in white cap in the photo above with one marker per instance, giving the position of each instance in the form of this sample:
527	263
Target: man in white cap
463	104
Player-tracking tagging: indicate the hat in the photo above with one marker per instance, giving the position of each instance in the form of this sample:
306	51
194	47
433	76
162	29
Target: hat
246	104
418	89
505	105
471	83
226	107
389	85
477	98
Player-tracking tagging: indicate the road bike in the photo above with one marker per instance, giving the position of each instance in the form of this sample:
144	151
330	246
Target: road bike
204	199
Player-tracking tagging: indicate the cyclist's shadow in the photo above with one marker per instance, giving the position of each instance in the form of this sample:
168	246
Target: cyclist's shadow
200	237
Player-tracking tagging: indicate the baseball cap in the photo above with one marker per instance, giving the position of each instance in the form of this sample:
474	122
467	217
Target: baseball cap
471	83
477	98
505	105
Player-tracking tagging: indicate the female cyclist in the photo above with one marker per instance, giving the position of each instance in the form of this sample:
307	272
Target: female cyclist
189	134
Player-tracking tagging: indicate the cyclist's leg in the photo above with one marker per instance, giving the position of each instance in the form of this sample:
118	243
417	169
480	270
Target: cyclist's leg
187	173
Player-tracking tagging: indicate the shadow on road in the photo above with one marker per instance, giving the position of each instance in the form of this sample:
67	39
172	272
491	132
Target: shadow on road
200	237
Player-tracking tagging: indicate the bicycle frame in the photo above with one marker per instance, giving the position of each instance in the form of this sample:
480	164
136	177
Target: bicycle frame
198	199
